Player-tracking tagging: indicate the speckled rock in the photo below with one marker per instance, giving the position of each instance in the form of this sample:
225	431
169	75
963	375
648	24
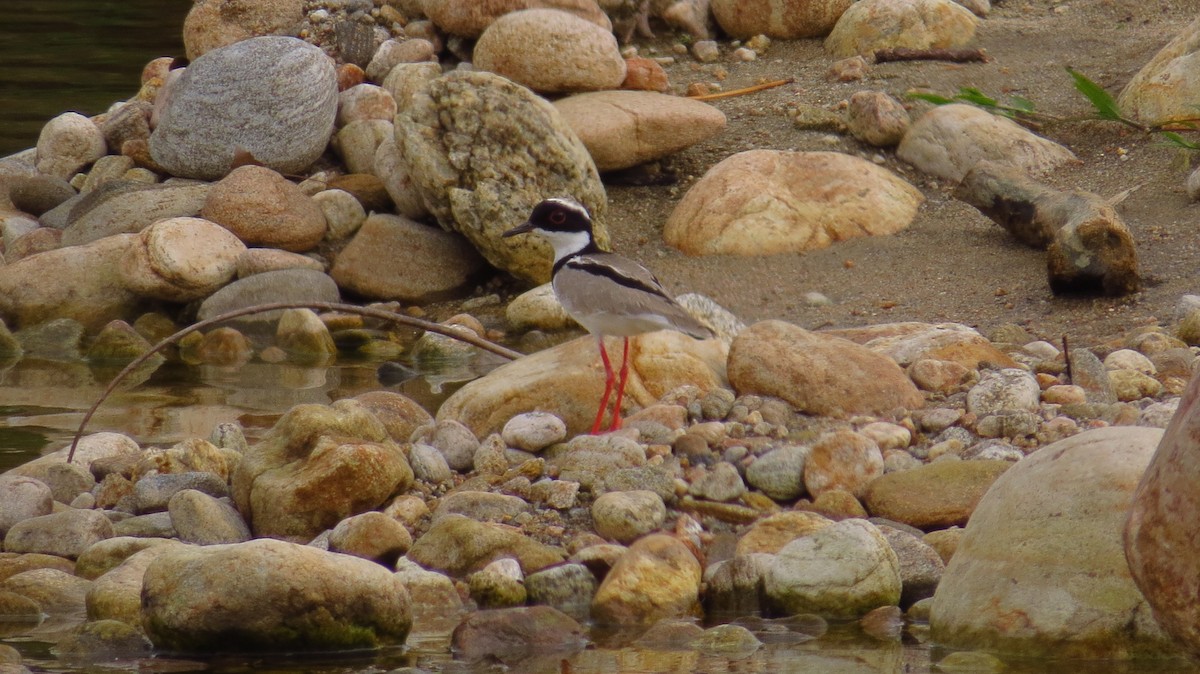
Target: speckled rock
551	51
1004	392
299	598
785	19
569	379
68	143
400	414
206	520
358	142
371	535
1167	86
395	174
876	118
566	587
625	516
367	266
469	18
949	140
921	567
1044	543
481	506
917	24
315	467
625	128
779	473
181	259
456	138
534	431
770	534
217	107
104	556
263	208
217	23
817	373
843	570
765	202
842	460
658	577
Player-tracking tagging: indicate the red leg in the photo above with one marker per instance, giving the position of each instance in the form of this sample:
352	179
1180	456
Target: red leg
616	422
608	385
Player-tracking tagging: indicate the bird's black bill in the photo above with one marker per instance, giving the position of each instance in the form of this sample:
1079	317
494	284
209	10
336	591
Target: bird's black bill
519	229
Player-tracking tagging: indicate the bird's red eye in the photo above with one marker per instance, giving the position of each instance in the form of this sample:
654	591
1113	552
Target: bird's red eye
558	217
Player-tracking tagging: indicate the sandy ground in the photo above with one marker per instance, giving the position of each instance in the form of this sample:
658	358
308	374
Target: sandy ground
952	263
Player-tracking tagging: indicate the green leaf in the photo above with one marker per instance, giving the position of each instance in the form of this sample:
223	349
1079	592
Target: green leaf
973	95
930	98
1100	99
1176	139
1021	103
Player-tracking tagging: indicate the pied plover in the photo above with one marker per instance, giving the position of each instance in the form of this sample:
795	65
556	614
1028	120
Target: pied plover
605	293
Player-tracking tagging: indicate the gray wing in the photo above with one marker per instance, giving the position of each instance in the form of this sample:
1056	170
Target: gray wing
613	295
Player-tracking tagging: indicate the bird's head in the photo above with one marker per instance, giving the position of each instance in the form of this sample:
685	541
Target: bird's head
564	222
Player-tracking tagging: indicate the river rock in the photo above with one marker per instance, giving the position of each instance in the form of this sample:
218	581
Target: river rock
298	598
626	128
152	492
365	101
512	635
206	520
394	172
481	506
284	285
66	534
569	379
551	51
625	516
400	414
658	577
1004	391
817	374
371	535
534	431
443	261
843	570
458	545
106	555
1167	87
60	595
842	460
117	593
916	24
181	259
358	141
79	282
343	213
263	208
127	206
219	105
783	19
566	587
68	143
911	341
304	336
876	118
469	18
921	567
1160	535
457	138
764	202
1044	544
779	473
770	534
935	495
22	498
431	594
598	462
315	467
949	140
216	23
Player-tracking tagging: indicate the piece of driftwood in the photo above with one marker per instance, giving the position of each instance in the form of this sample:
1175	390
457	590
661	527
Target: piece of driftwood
954	55
1088	247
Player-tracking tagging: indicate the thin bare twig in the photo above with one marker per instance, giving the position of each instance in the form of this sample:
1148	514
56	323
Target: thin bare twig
744	91
429	326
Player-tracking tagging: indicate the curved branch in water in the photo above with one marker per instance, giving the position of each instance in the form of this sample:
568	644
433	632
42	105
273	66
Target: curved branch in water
393	317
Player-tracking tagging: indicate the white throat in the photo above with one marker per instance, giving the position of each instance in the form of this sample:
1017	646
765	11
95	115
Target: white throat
566	244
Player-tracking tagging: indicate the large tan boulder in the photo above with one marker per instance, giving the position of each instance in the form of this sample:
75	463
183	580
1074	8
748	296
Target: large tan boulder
1040	569
869	25
551	51
1167	87
765	202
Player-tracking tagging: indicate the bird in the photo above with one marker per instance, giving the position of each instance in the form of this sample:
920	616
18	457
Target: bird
606	293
